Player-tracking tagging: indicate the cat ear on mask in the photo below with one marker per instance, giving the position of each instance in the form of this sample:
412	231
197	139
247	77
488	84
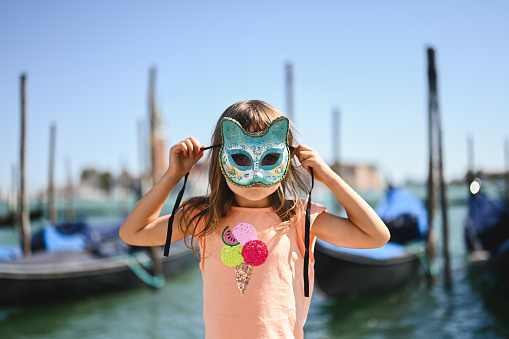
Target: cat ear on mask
232	131
277	131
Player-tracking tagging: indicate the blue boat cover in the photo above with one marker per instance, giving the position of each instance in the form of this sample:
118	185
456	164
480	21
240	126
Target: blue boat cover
57	241
386	252
398	202
10	252
487	224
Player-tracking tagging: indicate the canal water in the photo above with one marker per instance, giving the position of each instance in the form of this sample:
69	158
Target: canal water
175	311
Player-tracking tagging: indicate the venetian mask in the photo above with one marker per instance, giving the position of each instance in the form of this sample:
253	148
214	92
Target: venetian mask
254	158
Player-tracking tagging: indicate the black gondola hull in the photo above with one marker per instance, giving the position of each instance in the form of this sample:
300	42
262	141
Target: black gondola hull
63	275
340	274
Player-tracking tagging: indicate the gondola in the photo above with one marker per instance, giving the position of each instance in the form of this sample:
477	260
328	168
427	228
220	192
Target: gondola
8	219
345	272
487	239
88	261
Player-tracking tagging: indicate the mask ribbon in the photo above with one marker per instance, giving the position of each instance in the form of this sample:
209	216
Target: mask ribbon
306	236
176	207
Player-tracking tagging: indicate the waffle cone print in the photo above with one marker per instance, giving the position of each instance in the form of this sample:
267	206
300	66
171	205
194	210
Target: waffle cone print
243	251
242	275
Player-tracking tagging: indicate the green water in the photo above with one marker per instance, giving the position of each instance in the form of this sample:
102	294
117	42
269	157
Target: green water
171	312
174	311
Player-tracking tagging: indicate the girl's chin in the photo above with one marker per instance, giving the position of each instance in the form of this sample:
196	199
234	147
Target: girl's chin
255	193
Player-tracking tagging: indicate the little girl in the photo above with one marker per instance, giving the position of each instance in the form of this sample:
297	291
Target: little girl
251	229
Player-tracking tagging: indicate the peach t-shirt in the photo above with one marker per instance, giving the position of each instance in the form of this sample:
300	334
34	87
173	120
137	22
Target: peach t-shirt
273	304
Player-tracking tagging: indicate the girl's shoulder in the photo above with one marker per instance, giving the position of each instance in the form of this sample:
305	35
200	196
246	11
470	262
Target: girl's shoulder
315	208
195	210
195	204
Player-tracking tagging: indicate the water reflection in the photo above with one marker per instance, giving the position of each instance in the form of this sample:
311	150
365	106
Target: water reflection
414	312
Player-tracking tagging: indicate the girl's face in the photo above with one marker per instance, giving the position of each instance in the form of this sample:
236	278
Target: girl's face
255	196
250	158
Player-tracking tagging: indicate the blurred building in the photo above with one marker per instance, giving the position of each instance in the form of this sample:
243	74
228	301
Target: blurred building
361	176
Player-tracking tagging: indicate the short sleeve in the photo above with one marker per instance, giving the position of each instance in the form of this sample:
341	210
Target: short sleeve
316	210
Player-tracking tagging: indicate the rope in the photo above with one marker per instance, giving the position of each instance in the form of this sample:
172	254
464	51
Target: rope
419	250
141	272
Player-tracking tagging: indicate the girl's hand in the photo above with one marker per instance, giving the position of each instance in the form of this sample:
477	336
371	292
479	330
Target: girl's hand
183	156
308	157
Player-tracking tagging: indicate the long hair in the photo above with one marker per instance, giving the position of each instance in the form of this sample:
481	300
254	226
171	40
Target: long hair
210	209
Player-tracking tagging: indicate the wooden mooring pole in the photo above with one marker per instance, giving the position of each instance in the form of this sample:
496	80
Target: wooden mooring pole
431	170
52	207
14	199
289	91
436	167
335	138
506	158
155	252
69	192
24	208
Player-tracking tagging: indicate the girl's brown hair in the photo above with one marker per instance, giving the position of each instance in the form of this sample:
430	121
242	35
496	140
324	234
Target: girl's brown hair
209	209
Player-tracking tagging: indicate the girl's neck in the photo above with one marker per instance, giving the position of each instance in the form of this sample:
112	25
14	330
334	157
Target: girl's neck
243	202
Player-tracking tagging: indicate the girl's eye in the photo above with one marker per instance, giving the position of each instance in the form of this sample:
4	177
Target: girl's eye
241	160
270	159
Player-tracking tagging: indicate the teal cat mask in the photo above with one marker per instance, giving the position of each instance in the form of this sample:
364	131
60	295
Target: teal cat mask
254	158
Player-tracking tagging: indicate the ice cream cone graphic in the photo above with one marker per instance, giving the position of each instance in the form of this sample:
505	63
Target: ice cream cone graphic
242	276
242	251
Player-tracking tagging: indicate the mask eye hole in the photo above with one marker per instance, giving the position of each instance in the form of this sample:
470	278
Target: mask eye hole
241	159
270	159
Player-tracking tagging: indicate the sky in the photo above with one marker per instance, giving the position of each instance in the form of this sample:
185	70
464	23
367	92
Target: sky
87	65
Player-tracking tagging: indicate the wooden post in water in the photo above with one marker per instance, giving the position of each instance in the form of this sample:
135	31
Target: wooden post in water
470	157
155	253
436	156
336	161
431	169
152	119
14	199
142	157
69	196
24	208
506	156
444	204
52	208
289	91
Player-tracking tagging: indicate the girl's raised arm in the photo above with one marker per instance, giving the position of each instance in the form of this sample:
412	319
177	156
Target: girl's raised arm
143	226
363	228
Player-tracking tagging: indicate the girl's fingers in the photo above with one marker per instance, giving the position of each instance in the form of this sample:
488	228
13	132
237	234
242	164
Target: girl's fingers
303	155
302	149
307	163
190	147
183	148
196	146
